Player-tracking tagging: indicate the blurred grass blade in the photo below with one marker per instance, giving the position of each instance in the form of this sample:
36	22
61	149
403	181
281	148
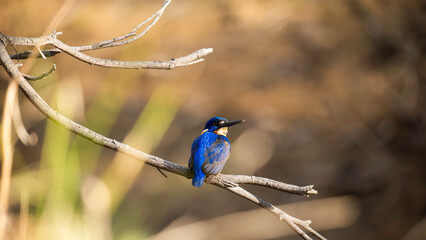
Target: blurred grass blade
7	161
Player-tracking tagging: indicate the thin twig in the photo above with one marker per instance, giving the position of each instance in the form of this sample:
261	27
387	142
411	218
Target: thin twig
26	138
41	76
121	40
40	52
162	173
118	41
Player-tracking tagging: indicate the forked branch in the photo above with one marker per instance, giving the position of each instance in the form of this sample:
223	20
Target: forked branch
228	182
118	41
194	57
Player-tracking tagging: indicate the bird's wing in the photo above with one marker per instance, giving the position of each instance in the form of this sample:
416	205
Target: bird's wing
193	150
216	156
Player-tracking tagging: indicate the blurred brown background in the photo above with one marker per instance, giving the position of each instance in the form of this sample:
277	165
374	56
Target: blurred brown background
333	93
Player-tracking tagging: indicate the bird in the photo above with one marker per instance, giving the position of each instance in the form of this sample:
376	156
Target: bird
210	150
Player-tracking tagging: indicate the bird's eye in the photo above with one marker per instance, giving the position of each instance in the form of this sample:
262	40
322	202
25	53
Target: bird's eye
217	124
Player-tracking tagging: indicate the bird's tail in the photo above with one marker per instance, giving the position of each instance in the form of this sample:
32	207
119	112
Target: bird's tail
198	179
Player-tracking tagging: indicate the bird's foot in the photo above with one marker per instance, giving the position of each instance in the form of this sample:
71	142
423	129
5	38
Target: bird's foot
225	183
210	178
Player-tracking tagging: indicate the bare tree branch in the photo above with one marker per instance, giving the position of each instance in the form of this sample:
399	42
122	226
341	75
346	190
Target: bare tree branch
118	41
122	40
228	182
76	52
187	60
283	216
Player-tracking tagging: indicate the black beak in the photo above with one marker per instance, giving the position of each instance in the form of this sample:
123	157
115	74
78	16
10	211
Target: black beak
232	123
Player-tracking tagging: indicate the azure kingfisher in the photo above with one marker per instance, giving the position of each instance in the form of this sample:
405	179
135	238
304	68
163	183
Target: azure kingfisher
210	150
